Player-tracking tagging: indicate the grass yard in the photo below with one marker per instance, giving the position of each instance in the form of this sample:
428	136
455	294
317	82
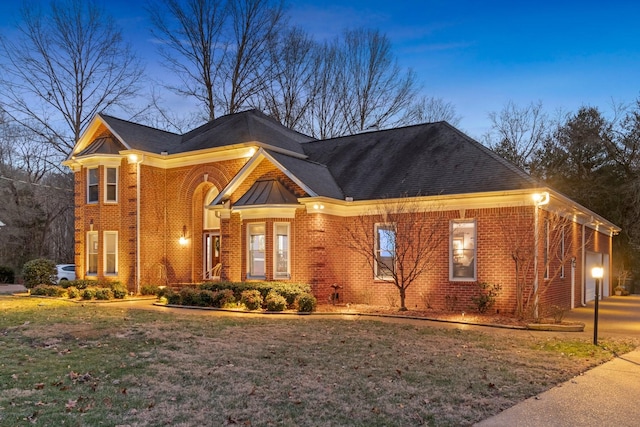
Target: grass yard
96	364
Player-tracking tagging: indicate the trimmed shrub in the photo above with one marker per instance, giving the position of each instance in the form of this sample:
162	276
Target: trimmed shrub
190	296
118	289
306	303
207	298
275	302
7	275
88	293
49	291
83	284
224	298
73	292
39	271
172	297
252	299
104	294
150	290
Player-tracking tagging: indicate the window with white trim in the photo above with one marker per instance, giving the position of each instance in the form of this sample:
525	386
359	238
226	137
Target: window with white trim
111	252
462	250
111	185
256	250
92	185
211	221
92	253
281	250
385	261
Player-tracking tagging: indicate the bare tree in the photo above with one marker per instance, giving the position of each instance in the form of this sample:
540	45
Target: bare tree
429	110
555	250
398	241
376	90
190	35
518	132
287	95
219	50
66	64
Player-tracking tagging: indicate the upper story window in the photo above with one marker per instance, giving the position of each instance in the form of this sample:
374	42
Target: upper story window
463	251
385	251
111	185
92	185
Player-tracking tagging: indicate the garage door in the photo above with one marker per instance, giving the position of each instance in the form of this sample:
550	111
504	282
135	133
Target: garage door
594	259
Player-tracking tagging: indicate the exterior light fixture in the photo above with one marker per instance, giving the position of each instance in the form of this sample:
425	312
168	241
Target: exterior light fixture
541	198
183	239
133	158
252	151
597	273
317	206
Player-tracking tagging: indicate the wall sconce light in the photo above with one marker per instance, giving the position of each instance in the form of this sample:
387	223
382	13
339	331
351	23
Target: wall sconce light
183	239
91	225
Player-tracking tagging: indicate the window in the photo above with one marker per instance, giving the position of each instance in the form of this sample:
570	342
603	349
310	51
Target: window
462	258
211	221
92	253
111	185
92	185
110	252
256	244
281	250
385	251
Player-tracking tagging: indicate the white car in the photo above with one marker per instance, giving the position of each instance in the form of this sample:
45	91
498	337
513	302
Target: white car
66	272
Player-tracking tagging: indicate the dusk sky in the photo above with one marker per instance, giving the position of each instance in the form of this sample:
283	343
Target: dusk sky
478	55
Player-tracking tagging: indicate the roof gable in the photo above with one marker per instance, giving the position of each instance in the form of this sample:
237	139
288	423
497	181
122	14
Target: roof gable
250	126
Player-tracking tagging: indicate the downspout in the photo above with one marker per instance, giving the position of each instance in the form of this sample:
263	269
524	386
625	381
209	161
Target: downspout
138	226
584	261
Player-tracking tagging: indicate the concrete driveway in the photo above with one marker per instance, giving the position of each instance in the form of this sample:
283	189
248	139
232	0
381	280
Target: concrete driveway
618	317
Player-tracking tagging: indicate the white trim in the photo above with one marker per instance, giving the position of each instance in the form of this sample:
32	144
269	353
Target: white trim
474	260
248	251
88	252
286	275
89	185
106	184
388	226
106	252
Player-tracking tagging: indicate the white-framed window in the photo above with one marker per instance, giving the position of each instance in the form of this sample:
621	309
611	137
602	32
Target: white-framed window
111	252
385	262
92	253
462	250
92	185
111	185
281	261
256	250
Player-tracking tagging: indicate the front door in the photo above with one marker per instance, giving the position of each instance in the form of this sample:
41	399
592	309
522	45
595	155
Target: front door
211	253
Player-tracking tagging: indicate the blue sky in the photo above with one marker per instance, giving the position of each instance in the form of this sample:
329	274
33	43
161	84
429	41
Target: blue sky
478	54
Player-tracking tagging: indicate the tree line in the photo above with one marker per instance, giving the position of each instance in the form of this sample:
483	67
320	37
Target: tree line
68	60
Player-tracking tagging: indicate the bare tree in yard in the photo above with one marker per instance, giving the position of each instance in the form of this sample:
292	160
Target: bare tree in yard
555	250
65	65
398	241
517	133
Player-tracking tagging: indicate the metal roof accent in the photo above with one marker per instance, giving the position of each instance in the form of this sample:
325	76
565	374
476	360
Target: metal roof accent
267	192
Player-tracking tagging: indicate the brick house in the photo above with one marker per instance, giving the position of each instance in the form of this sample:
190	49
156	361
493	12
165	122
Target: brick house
268	203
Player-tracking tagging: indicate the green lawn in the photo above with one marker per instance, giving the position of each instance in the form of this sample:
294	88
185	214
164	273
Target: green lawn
96	364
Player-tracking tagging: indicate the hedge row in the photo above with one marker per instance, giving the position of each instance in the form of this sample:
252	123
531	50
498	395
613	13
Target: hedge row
84	289
271	296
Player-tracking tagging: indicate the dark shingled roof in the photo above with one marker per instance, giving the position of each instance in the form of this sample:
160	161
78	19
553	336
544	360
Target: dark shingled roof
422	160
314	175
145	138
267	192
248	126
